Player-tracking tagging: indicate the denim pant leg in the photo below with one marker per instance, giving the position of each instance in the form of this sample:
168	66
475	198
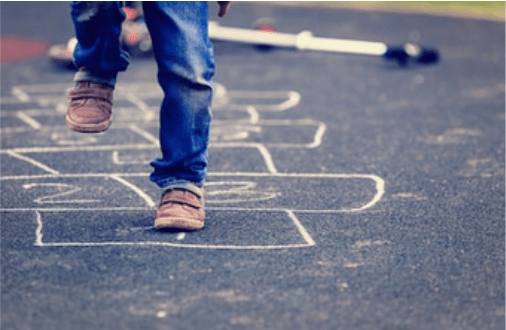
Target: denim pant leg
185	61
97	27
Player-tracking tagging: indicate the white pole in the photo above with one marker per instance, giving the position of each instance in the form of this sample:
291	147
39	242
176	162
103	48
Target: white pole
303	40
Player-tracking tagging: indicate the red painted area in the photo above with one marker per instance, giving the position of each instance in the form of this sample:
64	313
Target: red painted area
14	49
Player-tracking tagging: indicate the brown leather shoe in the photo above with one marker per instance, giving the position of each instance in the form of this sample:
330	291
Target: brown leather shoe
180	209
90	107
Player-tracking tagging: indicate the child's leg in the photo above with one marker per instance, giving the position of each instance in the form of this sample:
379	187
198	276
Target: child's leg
98	28
99	57
185	61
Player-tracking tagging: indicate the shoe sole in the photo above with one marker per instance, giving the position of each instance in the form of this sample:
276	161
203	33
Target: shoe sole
178	223
88	128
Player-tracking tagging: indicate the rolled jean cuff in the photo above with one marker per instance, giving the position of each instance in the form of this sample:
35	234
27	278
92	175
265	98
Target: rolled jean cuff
186	185
83	75
197	190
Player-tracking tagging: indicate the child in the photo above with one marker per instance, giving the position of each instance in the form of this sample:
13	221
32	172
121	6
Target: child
183	53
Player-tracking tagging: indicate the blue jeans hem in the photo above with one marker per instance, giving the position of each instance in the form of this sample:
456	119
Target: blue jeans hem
83	75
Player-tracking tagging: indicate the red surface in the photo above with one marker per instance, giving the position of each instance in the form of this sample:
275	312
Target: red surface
14	49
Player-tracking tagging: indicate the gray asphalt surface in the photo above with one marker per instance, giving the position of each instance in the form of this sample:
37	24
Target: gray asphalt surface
344	192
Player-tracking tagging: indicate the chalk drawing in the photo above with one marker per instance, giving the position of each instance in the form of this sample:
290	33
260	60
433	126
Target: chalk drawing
65	190
239	125
31	161
29	120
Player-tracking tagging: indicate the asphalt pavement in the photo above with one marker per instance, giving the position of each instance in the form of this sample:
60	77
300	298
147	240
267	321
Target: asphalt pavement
344	192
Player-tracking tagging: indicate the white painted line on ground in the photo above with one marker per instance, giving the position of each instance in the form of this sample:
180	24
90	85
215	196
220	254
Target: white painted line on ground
136	189
145	134
38	230
68	189
20	94
141	105
232	174
254	115
292	99
264	152
32	162
28	120
176	245
10	100
40	243
116	160
309	240
30	112
80	148
76	209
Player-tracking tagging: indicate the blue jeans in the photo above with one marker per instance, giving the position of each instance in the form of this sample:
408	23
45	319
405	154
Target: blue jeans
183	53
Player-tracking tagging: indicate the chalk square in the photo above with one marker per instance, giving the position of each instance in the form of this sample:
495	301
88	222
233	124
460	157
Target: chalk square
304	192
245	230
64	192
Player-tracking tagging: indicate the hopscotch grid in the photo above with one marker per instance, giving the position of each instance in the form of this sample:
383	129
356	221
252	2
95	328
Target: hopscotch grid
136	94
317	138
379	186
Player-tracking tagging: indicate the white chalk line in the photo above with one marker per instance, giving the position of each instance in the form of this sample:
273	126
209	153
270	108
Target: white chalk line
28	120
76	209
62	138
176	245
10	100
302	230
32	162
141	105
317	138
34	150
53	199
307	238
20	94
145	134
208	208
292	99
30	112
210	174
379	186
136	189
321	128
58	88
116	160
266	155
261	147
264	152
38	230
254	115
241	188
